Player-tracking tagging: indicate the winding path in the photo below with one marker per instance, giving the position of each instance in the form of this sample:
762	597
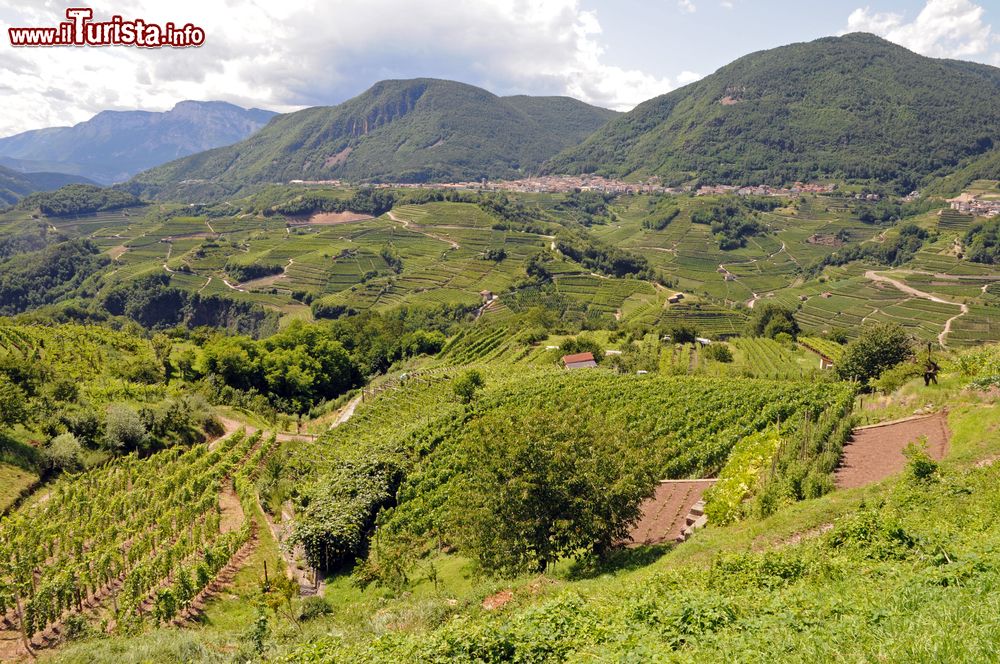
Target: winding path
910	290
409	225
751	261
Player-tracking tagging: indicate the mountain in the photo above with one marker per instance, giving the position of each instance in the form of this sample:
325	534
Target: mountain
14	185
403	131
855	106
112	146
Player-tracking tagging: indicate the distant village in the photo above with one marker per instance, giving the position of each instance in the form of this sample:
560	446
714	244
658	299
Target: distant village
970	204
562	184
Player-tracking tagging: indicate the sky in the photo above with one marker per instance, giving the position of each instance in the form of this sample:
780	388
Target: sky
289	54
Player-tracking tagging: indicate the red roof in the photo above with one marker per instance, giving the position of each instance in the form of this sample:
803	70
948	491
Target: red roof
578	357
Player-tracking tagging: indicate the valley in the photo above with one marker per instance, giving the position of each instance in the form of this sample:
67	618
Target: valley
436	374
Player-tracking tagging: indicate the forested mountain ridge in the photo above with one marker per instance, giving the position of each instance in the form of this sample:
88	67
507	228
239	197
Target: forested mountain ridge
399	131
14	185
854	107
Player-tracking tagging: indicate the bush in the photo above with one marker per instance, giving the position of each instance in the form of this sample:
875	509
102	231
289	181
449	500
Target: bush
719	352
64	452
892	379
314	607
124	430
919	465
467	384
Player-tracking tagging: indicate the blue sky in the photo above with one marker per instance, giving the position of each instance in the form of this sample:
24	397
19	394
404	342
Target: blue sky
289	54
668	37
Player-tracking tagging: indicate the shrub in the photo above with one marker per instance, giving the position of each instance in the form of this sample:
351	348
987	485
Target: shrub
719	352
314	607
894	378
467	384
64	453
920	466
123	429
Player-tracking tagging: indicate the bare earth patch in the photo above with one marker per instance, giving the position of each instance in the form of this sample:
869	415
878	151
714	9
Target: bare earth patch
232	511
494	602
334	218
876	452
664	515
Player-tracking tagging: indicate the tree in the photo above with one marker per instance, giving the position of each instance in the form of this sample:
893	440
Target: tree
583	344
770	319
467	384
13	403
880	346
719	352
539	486
682	334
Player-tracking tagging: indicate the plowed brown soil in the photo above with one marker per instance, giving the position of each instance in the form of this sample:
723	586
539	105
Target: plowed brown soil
663	515
876	452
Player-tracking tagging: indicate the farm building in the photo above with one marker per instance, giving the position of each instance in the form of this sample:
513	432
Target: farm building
579	361
675	298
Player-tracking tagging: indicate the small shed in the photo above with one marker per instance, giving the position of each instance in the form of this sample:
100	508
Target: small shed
579	361
675	298
486	295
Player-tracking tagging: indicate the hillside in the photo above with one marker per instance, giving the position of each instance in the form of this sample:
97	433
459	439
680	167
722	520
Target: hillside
985	167
14	185
855	107
405	131
114	145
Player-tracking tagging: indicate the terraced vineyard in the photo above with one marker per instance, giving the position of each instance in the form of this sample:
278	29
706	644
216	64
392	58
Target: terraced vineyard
136	540
687	425
77	351
824	347
767	358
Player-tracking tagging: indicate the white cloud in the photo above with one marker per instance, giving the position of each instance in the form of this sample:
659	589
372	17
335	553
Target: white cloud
687	6
942	29
295	53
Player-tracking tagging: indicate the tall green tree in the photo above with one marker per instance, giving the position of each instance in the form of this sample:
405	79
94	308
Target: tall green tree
769	320
880	346
541	486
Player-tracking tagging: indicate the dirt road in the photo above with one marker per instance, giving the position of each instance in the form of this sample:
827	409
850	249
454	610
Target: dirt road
409	225
910	290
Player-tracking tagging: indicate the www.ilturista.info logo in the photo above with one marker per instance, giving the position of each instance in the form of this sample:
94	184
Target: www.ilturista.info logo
79	30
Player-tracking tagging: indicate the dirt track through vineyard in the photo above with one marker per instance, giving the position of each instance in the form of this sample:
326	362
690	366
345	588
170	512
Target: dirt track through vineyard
876	452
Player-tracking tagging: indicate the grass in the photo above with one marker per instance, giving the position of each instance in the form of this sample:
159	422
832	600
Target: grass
14	481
